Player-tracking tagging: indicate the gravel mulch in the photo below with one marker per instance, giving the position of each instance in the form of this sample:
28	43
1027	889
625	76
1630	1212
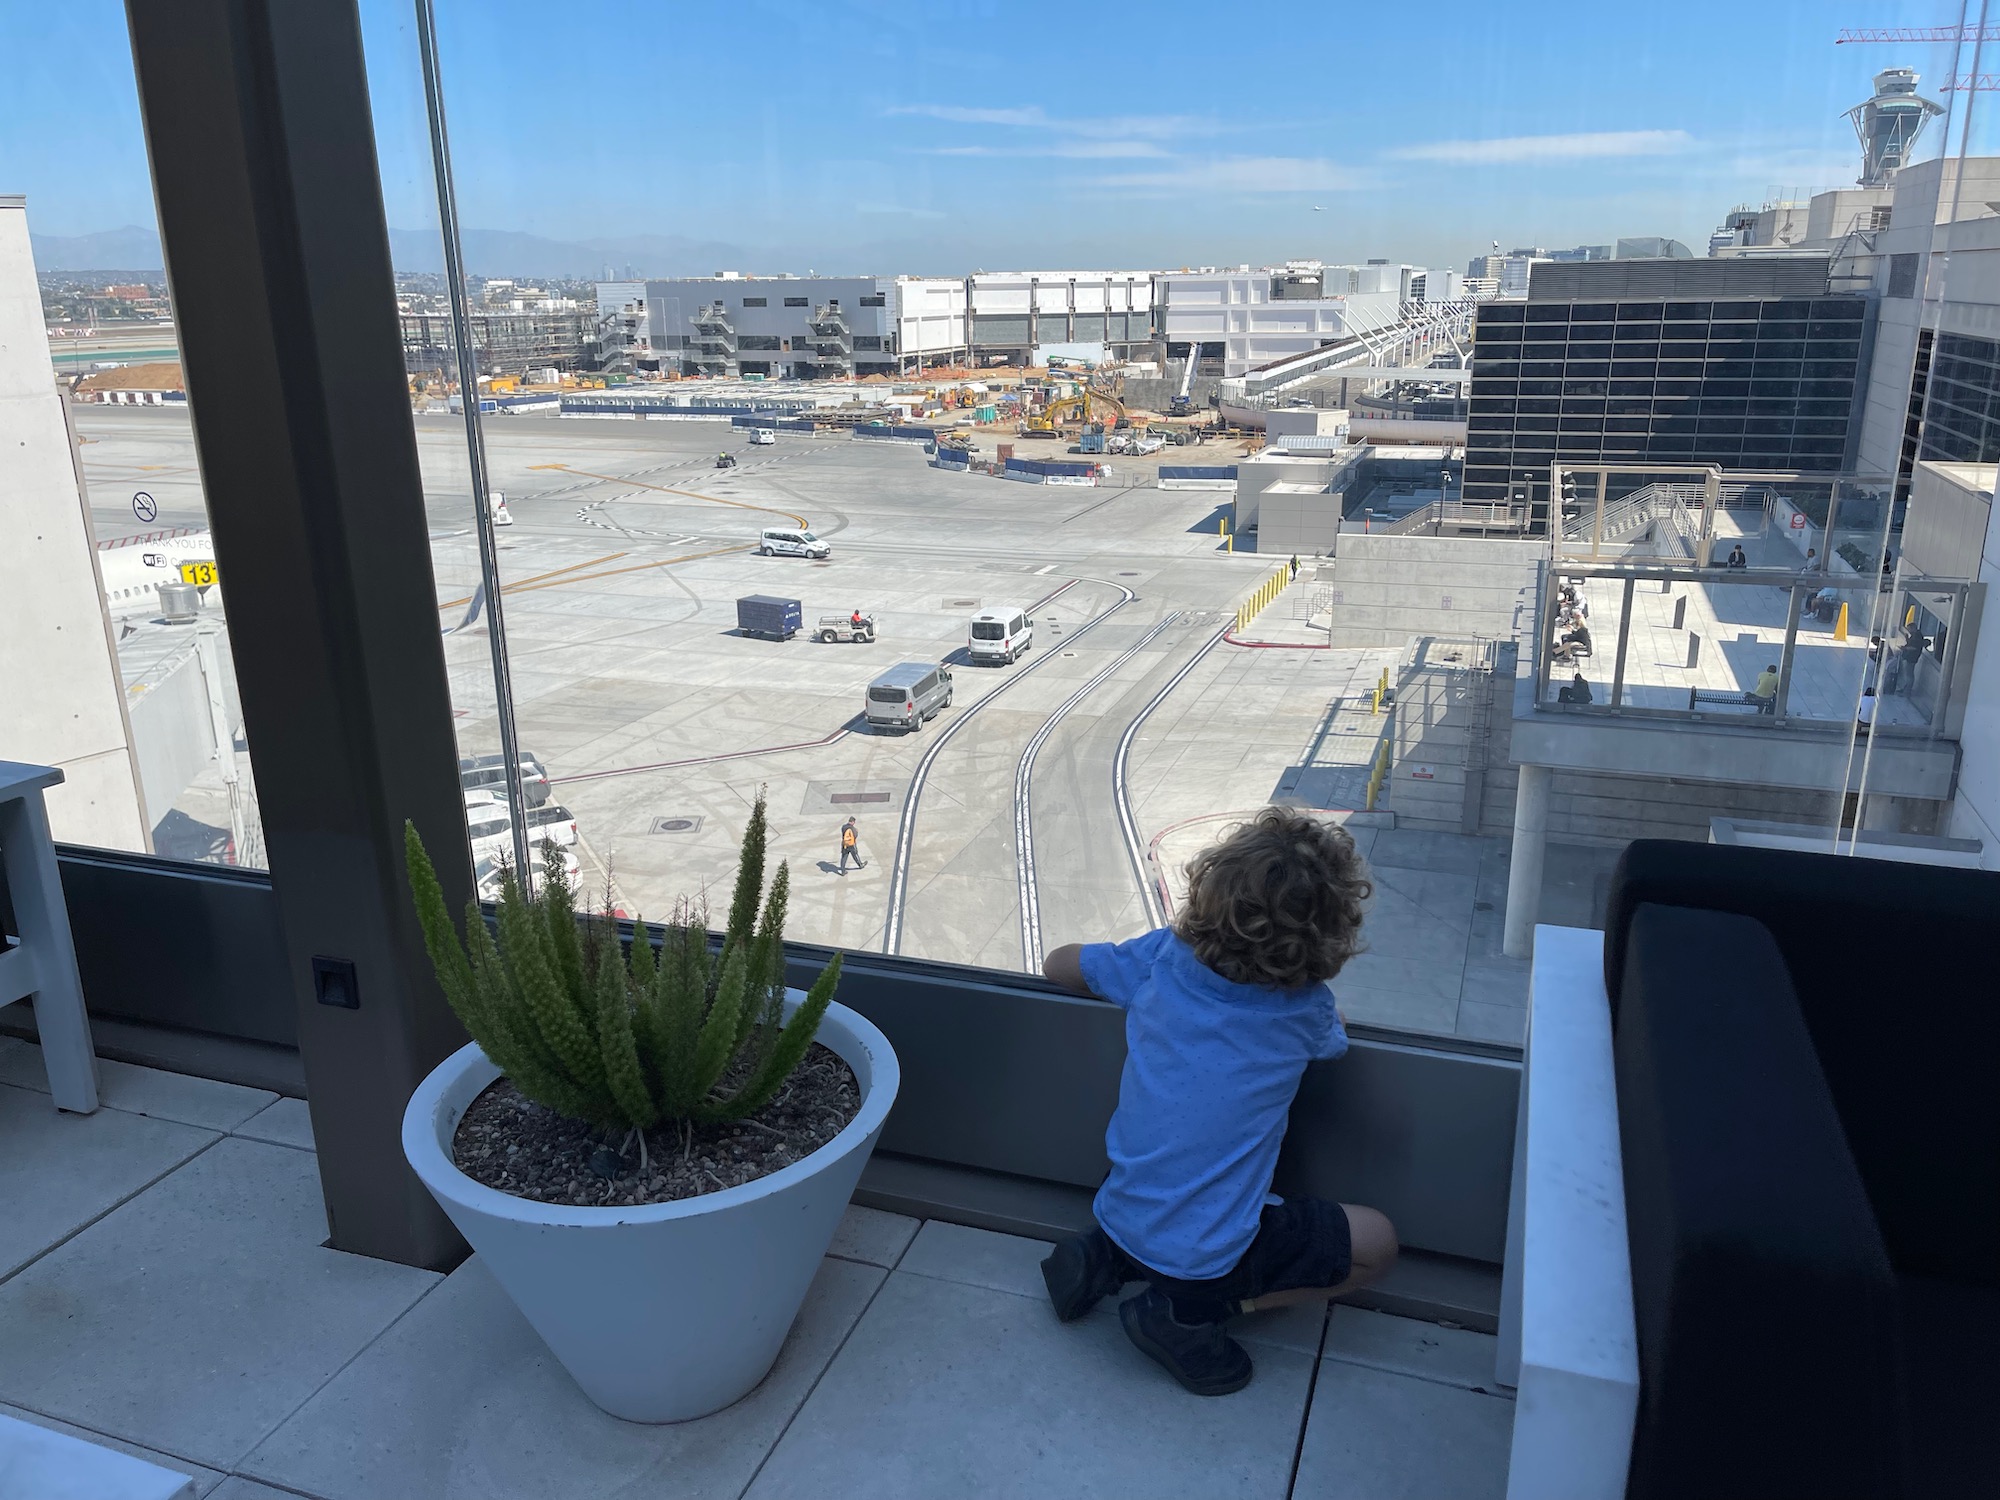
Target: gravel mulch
511	1143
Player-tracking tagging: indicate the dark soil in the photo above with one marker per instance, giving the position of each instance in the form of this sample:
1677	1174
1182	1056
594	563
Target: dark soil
511	1143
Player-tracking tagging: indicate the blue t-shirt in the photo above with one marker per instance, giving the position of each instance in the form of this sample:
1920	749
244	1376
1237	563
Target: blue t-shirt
1210	1070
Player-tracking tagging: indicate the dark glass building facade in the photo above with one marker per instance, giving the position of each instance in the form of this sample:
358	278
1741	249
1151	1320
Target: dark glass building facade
1962	424
1746	383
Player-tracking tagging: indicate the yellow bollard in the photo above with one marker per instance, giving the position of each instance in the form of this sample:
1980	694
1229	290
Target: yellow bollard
1840	625
1231	541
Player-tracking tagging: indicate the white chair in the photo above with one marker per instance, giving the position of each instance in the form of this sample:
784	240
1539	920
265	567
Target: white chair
42	965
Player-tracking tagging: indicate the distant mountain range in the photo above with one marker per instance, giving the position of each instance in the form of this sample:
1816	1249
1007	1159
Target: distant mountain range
507	252
488	252
127	249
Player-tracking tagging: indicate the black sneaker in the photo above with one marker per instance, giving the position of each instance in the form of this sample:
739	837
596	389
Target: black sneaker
1199	1355
1081	1272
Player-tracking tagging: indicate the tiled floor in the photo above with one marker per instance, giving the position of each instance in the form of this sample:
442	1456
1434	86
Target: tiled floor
163	1289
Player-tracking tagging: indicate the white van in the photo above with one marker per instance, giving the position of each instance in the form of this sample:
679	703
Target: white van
762	437
777	542
1000	634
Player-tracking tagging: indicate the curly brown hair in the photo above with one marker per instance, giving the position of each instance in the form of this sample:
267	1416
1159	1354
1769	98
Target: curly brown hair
1278	902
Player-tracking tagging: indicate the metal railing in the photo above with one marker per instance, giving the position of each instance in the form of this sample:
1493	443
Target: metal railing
1656	519
1459	518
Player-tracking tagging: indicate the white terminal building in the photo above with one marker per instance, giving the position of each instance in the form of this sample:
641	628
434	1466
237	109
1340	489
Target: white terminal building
821	327
809	327
1238	319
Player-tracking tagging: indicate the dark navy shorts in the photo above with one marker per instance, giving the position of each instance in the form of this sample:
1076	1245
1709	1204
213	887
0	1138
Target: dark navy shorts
1302	1242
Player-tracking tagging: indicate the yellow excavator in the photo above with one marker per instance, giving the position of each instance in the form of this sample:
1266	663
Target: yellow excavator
1051	419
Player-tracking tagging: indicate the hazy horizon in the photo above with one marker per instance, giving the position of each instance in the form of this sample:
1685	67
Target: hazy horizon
857	137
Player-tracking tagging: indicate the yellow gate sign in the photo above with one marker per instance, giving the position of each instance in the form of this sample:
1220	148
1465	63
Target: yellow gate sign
200	574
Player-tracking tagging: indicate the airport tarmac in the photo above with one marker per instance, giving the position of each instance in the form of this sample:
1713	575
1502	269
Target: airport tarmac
1025	816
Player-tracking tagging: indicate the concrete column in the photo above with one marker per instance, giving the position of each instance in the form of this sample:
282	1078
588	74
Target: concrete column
1881	813
1524	862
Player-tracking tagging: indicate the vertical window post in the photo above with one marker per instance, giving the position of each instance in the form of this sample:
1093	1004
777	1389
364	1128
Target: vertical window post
270	205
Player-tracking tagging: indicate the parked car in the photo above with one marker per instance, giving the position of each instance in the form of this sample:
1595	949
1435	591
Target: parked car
1000	635
909	695
769	616
552	821
833	628
488	773
777	541
762	437
490	826
488	868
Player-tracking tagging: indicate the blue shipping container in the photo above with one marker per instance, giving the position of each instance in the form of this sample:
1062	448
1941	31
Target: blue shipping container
769	616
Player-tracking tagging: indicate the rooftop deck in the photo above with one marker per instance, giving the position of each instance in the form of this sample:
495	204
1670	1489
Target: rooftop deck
164	1289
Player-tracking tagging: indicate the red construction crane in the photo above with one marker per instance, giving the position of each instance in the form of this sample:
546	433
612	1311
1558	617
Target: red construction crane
1970	82
1918	34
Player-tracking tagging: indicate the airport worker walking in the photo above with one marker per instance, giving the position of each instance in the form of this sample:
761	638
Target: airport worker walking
850	846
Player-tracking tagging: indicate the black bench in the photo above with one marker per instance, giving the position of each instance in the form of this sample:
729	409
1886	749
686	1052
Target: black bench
1698	696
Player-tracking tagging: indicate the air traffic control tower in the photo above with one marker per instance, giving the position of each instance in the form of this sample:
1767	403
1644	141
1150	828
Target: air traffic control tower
1890	123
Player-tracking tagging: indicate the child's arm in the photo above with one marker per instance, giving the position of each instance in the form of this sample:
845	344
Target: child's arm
1064	966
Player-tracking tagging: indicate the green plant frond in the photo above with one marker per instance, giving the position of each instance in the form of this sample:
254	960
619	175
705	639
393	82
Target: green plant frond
556	910
454	971
749	877
620	1037
642	955
789	1048
623	1075
523	948
717	1043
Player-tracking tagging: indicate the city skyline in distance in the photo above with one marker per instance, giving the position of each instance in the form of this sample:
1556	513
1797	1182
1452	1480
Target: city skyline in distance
969	142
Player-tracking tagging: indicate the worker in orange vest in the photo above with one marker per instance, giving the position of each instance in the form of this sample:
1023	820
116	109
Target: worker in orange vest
850	846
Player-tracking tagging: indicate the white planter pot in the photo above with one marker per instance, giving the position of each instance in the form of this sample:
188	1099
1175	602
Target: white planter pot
670	1310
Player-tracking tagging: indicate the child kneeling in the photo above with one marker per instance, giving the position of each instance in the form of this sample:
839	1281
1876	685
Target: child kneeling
1223	1011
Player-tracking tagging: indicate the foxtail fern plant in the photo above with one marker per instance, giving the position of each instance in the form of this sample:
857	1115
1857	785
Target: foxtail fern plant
618	1038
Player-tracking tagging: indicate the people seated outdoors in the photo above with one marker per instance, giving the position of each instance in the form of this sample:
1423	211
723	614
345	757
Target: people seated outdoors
1864	715
1765	693
1736	559
1578	691
1826	604
1574	642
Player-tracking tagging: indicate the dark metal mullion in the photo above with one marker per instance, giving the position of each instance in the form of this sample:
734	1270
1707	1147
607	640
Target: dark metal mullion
262	146
1781	710
475	432
1624	637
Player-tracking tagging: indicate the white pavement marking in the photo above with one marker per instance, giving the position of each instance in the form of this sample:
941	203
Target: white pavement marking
1121	790
1024	832
899	871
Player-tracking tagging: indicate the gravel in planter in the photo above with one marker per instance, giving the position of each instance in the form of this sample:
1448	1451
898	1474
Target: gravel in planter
515	1145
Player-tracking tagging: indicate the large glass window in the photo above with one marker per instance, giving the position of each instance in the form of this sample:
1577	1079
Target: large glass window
1568	518
115	662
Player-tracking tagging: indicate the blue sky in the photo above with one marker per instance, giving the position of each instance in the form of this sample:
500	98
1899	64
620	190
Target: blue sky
867	135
